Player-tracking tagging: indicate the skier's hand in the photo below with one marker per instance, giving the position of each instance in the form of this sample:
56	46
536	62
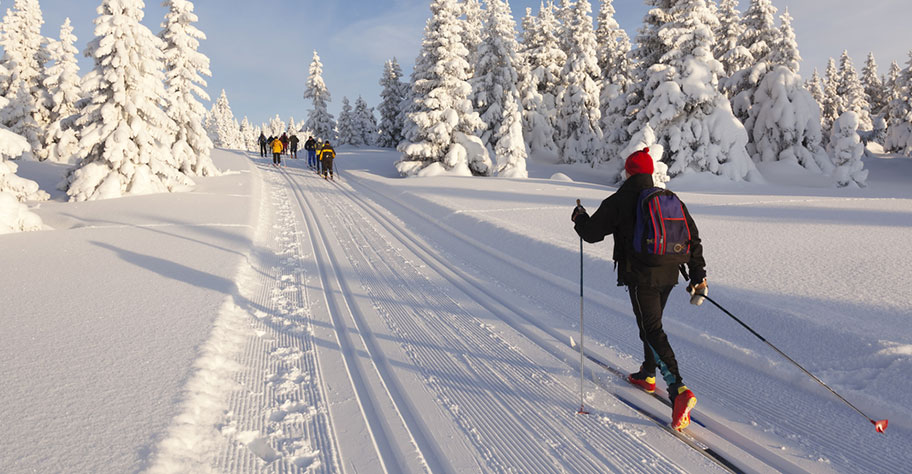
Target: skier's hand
578	210
697	292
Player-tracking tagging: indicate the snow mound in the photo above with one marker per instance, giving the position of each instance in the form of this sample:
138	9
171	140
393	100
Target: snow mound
15	216
561	177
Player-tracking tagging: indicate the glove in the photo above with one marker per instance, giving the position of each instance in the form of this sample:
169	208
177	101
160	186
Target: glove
698	292
579	209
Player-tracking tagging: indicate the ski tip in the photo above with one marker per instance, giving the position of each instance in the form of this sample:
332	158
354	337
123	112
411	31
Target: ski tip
880	426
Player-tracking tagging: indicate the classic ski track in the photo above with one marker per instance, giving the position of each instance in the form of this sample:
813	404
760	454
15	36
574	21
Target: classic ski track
520	314
530	462
559	393
278	369
516	459
376	404
799	429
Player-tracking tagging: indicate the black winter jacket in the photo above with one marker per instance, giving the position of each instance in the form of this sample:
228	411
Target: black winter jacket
617	216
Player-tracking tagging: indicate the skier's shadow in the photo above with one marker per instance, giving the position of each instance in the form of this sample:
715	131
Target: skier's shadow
182	273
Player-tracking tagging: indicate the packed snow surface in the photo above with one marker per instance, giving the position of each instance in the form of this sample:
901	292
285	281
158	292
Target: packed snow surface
272	321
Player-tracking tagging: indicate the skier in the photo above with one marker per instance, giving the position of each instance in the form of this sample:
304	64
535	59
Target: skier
262	142
293	144
311	146
327	155
277	149
649	286
284	140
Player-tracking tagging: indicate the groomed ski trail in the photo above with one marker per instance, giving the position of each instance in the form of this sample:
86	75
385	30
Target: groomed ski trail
465	382
784	411
360	341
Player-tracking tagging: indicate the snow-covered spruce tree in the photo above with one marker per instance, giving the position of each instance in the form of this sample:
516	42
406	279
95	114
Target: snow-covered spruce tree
319	120
392	98
852	92
62	82
832	102
784	118
814	86
728	49
648	51
892	92
496	97
364	122
691	118
225	124
579	131
785	122
873	85
540	80
759	37
125	137
292	127
899	131
613	60
785	47
14	190
472	28
24	57
276	127
441	123
344	129
248	136
185	67
847	150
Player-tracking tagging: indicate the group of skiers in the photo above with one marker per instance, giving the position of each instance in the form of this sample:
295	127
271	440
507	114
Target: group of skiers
278	146
320	155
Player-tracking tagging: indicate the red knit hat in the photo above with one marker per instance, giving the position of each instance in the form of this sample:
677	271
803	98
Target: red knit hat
639	162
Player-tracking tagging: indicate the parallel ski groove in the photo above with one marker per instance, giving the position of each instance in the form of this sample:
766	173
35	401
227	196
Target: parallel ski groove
796	420
730	402
505	305
406	242
393	455
270	299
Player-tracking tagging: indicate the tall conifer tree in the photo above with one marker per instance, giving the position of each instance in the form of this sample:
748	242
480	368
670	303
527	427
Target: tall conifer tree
125	137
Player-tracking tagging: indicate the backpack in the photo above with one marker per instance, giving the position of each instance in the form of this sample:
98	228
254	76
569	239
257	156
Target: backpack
661	236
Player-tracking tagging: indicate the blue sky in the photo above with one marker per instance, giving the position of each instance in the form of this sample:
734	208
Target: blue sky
261	49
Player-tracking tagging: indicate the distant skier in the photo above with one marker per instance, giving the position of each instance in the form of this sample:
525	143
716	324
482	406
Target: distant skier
311	146
277	149
649	286
293	146
327	155
262	142
284	140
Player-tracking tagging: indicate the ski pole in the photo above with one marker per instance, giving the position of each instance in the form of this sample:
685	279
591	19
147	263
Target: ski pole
582	410
880	425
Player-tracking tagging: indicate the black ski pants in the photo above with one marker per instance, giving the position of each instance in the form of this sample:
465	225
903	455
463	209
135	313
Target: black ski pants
648	305
277	158
263	150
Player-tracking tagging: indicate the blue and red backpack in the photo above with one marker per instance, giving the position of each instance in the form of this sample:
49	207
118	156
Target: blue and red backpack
661	236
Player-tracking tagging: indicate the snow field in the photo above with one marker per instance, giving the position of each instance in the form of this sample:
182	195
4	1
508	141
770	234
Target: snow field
375	324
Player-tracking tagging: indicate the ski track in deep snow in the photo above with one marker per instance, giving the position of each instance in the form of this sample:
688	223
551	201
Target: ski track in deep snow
457	370
279	416
458	357
786	411
384	339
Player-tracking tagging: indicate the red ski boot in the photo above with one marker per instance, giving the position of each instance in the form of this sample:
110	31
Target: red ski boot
643	380
683	403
